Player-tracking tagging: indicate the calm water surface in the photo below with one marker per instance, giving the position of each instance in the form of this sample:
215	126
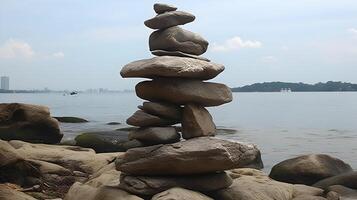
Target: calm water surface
283	125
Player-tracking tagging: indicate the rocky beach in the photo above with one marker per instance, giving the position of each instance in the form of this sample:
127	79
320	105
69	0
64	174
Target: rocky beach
169	151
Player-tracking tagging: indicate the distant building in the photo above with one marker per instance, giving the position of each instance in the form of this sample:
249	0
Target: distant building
5	83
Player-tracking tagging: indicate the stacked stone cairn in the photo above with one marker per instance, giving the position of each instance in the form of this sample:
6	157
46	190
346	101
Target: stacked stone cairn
178	93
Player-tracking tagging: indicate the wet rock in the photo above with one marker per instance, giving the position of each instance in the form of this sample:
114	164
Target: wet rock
31	123
107	141
180	91
150	185
178	39
71	119
197	122
161	8
172	66
308	169
161	52
165	110
195	156
155	135
346	179
169	19
180	194
143	119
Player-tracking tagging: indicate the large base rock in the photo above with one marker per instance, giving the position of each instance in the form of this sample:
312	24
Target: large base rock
195	156
29	123
180	194
150	185
182	91
308	169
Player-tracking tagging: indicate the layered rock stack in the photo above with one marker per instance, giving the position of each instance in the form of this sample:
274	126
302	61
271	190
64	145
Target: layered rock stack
178	93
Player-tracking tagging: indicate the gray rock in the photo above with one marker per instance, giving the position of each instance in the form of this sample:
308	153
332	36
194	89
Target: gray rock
346	179
150	185
161	8
181	91
155	135
197	122
165	110
107	141
178	39
143	119
71	119
30	123
195	156
308	169
177	53
172	66
180	194
169	19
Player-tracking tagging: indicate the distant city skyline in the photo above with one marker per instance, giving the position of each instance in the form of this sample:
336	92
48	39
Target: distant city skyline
79	45
5	83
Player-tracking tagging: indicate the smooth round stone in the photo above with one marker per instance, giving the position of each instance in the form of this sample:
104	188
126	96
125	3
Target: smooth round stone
182	91
165	110
178	39
155	135
161	8
143	119
169	19
177	53
172	66
197	122
195	156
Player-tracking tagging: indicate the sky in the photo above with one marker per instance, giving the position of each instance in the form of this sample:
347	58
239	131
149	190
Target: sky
76	45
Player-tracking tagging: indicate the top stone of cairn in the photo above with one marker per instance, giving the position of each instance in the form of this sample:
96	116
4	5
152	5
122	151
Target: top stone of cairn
161	8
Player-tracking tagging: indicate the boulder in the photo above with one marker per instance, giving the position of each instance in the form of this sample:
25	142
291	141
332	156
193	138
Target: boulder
169	19
107	141
344	192
82	191
172	66
307	190
8	154
347	179
155	135
10	193
165	110
180	194
150	185
180	91
107	176
71	119
31	123
143	119
197	122
178	39
308	169
161	52
195	156
161	8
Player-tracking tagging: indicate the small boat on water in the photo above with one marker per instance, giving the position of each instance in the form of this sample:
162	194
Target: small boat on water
73	93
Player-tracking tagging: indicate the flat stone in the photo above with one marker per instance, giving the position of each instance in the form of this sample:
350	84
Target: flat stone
161	8
143	119
165	110
155	135
178	39
180	194
308	169
195	156
197	122
151	185
181	91
169	19
161	52
172	66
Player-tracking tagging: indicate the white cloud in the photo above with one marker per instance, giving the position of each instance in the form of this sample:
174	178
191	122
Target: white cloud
16	49
58	54
269	59
353	30
236	43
